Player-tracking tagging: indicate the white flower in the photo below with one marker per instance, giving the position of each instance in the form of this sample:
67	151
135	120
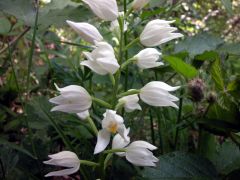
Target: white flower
156	93
139	4
72	99
102	59
147	58
46	1
66	159
137	153
115	25
112	123
157	32
104	9
130	102
86	31
83	115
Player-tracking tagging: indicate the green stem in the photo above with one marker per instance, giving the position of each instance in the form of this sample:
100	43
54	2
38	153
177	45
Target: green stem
112	79
32	49
179	118
152	127
114	151
108	157
102	103
93	126
160	132
130	92
119	105
131	43
59	131
88	163
131	60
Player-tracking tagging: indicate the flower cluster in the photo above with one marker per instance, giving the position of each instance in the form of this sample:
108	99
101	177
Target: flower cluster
103	60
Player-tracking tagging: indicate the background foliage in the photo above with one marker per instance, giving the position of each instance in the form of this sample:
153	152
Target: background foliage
201	140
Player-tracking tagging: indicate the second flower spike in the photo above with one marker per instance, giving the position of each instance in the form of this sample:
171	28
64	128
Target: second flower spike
104	9
102	59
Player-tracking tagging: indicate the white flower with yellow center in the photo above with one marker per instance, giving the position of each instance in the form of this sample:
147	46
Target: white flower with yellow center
111	124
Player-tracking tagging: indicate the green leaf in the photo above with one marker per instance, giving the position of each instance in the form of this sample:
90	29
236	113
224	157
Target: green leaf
216	74
5	25
55	13
181	67
228	6
16	147
226	158
198	44
181	165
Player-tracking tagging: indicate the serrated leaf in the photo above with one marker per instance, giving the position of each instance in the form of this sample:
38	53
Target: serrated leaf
216	74
178	165
181	67
198	44
227	158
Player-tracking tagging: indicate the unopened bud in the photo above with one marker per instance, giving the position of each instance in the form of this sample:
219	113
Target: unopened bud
196	89
211	97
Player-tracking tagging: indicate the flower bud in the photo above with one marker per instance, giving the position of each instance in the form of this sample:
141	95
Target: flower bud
156	93
211	97
66	159
196	89
157	32
130	103
86	31
147	58
102	59
72	99
104	9
139	4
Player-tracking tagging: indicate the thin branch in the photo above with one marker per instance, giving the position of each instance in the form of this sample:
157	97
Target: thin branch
15	40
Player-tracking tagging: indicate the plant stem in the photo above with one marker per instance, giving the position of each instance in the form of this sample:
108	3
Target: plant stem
159	132
114	150
130	92
92	124
102	103
112	79
32	48
88	163
178	118
127	62
131	43
152	127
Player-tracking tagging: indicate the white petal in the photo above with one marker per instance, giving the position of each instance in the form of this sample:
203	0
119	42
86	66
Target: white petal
71	108
103	140
123	131
83	115
63	154
118	142
142	144
160	84
63	172
94	66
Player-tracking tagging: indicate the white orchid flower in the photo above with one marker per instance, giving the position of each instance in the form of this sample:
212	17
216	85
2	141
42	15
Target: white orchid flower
72	99
83	115
138	152
130	103
86	31
66	159
104	9
147	58
139	4
112	123
102	59
156	93
157	32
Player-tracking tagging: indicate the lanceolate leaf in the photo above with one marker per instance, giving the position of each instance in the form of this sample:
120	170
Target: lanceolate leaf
181	67
181	165
216	73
